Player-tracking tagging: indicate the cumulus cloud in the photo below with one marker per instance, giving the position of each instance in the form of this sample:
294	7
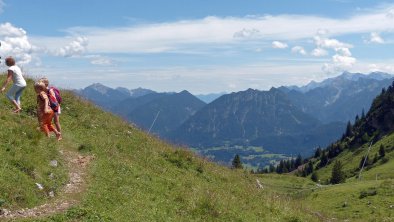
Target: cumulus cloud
99	60
374	37
298	49
189	35
279	45
318	52
74	48
339	64
381	68
247	34
341	61
15	42
329	43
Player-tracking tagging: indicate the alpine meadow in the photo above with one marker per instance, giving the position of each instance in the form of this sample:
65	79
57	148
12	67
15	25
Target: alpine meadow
211	111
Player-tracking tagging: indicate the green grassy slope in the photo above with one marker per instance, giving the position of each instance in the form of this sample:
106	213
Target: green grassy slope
369	198
133	177
351	160
25	156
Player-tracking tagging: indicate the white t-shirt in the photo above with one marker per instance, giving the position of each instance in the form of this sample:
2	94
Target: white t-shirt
17	76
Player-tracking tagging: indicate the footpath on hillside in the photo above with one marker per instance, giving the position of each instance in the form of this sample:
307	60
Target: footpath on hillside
68	196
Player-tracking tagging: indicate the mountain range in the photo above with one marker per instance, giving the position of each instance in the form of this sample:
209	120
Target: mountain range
287	120
259	118
105	169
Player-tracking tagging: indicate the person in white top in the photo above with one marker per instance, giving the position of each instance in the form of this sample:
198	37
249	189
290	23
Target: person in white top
14	73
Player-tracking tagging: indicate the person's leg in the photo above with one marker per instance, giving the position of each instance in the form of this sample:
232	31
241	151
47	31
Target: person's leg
18	95
57	122
48	122
44	127
11	96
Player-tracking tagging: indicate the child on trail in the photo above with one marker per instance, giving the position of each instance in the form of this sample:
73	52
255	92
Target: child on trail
44	112
52	95
14	94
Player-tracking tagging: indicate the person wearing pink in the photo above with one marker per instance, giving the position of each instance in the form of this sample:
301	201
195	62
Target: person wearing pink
51	93
44	112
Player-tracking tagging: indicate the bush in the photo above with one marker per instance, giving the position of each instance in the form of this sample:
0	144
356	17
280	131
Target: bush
385	160
369	192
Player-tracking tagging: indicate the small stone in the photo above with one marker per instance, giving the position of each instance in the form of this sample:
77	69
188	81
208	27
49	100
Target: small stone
4	212
53	163
51	176
51	194
259	185
39	186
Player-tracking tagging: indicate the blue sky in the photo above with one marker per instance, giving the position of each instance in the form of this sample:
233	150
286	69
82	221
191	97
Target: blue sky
202	46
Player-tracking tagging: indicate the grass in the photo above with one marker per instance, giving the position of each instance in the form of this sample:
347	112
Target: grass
136	177
352	159
133	177
355	201
24	159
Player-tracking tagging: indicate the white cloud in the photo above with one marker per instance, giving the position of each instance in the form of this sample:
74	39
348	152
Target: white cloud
374	37
381	68
279	45
390	13
318	52
74	48
339	64
341	61
15	42
99	60
298	49
189	35
343	52
247	34
324	42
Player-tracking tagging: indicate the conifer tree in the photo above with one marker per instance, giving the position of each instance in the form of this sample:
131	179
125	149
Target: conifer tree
318	152
298	161
337	174
237	164
357	119
349	129
314	177
271	168
323	160
382	152
363	114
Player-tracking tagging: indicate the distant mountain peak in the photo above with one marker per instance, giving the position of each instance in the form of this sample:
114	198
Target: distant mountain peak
99	88
184	92
345	76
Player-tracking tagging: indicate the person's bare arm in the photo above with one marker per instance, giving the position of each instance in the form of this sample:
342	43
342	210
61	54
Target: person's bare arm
47	109
9	77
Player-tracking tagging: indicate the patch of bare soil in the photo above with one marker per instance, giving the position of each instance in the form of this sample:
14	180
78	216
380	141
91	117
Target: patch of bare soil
68	196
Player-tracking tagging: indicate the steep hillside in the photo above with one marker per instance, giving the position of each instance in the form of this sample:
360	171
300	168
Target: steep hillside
260	118
375	129
132	176
365	194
